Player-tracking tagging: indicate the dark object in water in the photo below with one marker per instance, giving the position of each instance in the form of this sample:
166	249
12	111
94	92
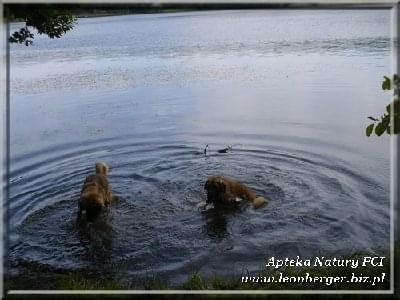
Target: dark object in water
225	150
205	150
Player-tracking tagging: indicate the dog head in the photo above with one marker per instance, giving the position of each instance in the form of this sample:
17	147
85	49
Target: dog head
215	188
101	168
93	204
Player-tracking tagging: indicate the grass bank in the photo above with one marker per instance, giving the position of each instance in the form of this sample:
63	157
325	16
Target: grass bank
284	278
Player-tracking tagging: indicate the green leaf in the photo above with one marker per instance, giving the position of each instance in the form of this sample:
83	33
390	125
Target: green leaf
386	83
386	121
369	129
380	129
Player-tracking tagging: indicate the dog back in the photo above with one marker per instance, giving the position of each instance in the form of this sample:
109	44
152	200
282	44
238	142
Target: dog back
95	192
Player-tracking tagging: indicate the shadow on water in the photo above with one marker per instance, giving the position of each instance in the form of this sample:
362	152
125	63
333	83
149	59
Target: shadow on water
97	237
216	220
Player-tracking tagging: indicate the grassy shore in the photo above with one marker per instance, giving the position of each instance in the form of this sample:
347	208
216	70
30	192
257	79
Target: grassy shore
196	281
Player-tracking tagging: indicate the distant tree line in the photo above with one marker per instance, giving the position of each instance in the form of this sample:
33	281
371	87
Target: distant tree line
54	20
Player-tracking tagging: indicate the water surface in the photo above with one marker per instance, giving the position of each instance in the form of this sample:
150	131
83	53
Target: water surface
290	90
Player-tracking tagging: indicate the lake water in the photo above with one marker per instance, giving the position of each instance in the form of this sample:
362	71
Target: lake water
291	90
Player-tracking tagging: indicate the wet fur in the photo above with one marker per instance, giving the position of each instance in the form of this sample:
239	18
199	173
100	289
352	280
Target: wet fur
224	190
96	193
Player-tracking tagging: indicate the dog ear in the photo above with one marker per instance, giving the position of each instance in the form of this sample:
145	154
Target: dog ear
221	186
101	168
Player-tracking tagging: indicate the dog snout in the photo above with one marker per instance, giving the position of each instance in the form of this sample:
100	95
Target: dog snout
93	212
209	196
207	185
212	194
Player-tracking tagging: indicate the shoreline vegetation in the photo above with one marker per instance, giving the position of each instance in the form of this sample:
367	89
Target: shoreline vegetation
48	279
55	20
103	10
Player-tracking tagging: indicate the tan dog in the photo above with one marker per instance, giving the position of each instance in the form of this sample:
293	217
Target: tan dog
221	189
96	193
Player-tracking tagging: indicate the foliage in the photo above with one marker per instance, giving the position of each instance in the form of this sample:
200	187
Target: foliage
383	123
46	19
80	280
54	20
194	282
75	281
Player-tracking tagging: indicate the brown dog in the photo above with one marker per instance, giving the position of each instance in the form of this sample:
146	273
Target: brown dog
221	189
96	193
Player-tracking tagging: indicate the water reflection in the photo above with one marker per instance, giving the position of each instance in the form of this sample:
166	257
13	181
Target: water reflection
97	237
216	219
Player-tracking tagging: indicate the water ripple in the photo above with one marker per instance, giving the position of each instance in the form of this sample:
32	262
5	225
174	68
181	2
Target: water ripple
156	220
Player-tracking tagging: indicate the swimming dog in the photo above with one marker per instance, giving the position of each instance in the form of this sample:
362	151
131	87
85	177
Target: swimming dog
96	193
224	190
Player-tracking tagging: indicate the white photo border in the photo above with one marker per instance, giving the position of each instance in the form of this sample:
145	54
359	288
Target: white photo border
311	4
